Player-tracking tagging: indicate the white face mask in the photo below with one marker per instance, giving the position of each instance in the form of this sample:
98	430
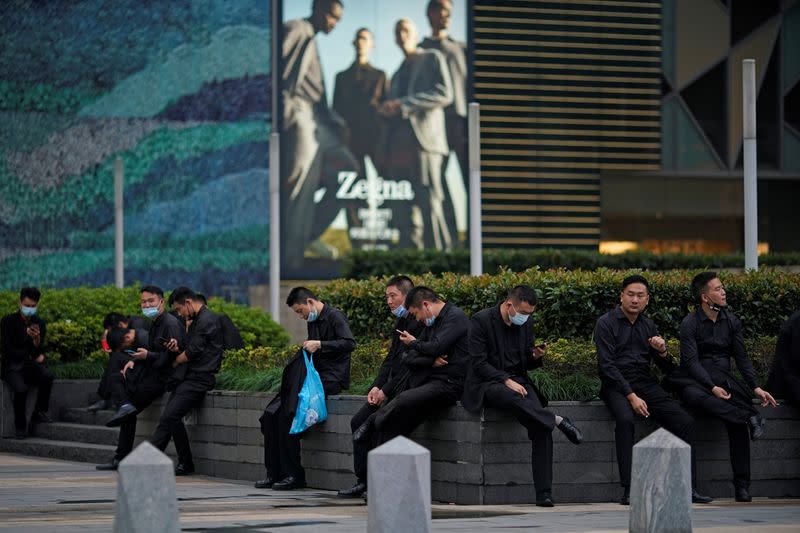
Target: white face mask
27	311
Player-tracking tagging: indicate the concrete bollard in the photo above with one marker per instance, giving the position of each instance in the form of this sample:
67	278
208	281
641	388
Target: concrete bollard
146	501
661	485
399	488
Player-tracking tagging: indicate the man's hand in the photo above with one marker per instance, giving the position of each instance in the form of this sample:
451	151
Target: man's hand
34	333
172	345
390	108
659	344
125	368
406	337
312	346
182	358
141	353
440	361
721	393
376	396
639	406
516	387
539	351
40	359
766	398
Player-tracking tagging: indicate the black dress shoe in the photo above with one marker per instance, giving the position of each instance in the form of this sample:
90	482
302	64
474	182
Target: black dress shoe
265	483
113	465
743	495
98	405
122	413
570	430
40	417
756	426
355	491
700	498
626	496
289	483
544	499
362	431
184	469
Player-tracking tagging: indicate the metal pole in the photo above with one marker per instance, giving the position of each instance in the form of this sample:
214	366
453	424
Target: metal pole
119	218
274	226
475	232
750	163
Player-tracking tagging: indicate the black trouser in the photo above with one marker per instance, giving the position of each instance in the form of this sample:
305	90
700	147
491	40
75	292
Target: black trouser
116	360
411	408
362	447
734	413
537	420
140	394
186	396
663	408
31	374
281	449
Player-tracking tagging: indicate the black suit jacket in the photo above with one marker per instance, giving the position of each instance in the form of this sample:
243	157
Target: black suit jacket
493	359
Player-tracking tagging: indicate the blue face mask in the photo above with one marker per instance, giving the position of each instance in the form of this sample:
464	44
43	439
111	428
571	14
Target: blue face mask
150	312
313	315
518	319
429	321
27	311
399	312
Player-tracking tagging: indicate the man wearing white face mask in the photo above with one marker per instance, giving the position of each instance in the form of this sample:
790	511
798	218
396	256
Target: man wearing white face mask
143	378
502	350
391	380
331	342
22	335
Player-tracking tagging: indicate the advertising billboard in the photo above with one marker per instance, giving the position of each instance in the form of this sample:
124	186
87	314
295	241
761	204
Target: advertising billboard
373	105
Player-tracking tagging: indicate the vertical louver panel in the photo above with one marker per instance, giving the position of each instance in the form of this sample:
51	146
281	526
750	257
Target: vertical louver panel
568	90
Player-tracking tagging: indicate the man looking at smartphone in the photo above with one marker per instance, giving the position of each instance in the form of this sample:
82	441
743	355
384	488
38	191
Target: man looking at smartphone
194	366
143	378
502	350
22	335
391	379
434	366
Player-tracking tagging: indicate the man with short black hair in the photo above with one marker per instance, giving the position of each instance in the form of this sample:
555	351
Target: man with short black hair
116	361
710	337
193	375
331	342
22	341
144	374
435	363
627	343
503	349
391	379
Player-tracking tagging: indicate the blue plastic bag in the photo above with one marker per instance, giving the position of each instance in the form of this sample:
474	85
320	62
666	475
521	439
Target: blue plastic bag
311	408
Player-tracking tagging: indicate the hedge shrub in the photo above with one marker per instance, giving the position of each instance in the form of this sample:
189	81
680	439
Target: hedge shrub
75	318
570	302
360	264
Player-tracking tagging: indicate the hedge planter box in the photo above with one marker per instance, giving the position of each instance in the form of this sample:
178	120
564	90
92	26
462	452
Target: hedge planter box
484	459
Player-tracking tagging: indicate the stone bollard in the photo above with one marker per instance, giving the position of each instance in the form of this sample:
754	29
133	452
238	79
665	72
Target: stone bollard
661	485
399	488
146	501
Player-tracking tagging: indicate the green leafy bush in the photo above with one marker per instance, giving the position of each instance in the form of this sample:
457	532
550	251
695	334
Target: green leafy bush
360	264
570	302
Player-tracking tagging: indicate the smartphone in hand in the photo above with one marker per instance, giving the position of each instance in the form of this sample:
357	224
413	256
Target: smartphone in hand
163	340
130	352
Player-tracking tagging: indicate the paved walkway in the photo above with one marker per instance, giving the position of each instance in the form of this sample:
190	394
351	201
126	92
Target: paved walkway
42	495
